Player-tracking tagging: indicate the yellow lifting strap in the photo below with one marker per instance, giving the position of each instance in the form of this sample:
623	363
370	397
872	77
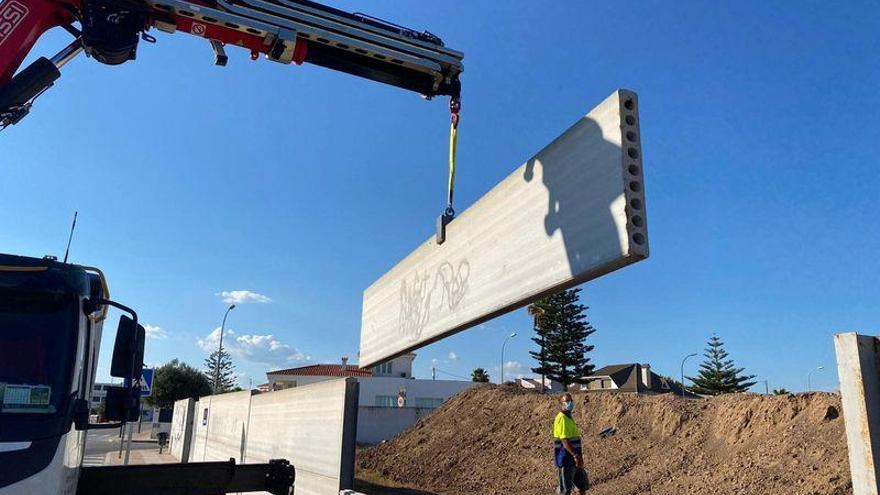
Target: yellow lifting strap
453	139
449	213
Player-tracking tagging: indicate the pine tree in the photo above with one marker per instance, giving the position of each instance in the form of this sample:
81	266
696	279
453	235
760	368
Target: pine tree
718	374
227	371
562	328
479	375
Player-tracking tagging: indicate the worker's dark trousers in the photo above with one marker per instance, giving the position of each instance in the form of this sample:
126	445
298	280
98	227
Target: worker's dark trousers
566	479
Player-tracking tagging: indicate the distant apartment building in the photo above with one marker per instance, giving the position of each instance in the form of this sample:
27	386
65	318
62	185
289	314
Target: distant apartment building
99	395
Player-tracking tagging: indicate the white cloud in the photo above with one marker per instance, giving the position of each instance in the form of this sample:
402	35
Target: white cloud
154	332
514	369
260	341
513	366
268	350
209	343
453	356
243	297
262	349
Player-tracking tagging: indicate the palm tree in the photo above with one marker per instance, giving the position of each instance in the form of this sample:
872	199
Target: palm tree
479	375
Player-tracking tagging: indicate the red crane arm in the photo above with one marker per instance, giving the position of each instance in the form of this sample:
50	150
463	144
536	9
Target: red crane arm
285	31
22	22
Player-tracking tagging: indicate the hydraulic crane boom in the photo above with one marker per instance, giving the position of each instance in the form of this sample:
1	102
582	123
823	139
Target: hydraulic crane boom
284	31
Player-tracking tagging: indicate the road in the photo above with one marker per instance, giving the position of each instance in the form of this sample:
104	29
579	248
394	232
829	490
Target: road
100	442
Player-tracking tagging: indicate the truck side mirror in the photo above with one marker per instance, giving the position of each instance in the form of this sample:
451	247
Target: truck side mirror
122	404
128	351
128	363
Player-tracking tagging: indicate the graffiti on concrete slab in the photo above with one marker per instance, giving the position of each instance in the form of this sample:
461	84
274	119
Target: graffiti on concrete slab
423	295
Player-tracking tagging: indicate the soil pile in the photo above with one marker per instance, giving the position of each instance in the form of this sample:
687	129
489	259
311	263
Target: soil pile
497	440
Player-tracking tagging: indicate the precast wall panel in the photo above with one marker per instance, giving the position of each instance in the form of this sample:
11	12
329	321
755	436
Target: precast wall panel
221	434
180	439
199	430
858	368
573	212
314	427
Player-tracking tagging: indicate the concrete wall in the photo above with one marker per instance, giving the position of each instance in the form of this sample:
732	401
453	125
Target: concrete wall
226	428
313	426
858	366
197	439
572	213
180	440
376	424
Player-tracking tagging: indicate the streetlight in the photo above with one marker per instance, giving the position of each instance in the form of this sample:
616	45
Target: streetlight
682	371
220	349
809	384
502	355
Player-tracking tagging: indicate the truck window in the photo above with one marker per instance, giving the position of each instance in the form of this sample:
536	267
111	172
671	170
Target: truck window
37	343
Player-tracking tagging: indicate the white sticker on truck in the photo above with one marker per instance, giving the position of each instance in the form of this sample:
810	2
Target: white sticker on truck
24	398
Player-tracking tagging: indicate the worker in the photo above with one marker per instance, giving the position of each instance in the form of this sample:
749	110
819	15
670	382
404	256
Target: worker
567	447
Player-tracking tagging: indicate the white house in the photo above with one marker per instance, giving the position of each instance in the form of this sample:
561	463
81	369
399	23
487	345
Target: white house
390	399
535	384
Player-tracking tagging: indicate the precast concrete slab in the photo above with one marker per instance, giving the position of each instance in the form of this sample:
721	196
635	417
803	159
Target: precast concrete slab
858	367
180	438
314	427
572	213
221	425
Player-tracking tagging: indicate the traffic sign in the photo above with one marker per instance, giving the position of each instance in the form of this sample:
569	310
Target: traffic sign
145	383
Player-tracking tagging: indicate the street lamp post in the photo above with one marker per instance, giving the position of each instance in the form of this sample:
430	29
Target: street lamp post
220	349
809	376
682	371
501	382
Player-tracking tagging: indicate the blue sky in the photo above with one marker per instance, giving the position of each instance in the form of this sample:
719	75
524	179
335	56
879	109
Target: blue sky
302	185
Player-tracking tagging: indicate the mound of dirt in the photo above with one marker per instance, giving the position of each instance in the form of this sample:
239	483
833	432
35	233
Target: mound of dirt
497	440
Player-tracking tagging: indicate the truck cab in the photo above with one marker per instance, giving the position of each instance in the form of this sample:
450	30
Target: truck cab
51	318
